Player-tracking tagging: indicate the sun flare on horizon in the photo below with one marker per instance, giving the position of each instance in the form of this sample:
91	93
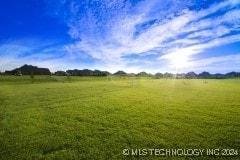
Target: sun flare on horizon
180	59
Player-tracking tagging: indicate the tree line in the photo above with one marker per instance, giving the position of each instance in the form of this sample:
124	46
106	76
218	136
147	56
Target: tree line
34	70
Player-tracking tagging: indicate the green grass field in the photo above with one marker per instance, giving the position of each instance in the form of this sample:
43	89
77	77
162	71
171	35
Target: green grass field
96	118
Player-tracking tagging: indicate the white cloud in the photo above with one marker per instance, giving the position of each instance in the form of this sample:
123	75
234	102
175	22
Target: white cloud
110	31
229	59
221	64
120	39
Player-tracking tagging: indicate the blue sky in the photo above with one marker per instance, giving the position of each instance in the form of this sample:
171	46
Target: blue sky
130	35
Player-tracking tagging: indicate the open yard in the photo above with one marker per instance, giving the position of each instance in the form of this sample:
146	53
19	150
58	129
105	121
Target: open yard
97	118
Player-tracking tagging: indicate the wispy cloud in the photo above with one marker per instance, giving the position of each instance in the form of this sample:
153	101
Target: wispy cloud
112	31
106	32
217	64
35	52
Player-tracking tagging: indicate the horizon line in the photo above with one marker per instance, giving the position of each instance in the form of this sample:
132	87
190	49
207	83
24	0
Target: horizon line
124	71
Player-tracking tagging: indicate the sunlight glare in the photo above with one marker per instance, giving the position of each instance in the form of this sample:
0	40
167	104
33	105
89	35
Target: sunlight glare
180	59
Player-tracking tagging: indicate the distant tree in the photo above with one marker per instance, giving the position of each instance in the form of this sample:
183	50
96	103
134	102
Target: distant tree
180	75
218	76
143	74
109	78
191	75
68	77
120	73
87	72
18	73
232	75
32	77
168	75
60	73
28	69
159	75
132	77
204	75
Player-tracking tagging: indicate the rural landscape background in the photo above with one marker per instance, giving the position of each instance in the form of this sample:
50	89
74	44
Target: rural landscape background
98	116
119	79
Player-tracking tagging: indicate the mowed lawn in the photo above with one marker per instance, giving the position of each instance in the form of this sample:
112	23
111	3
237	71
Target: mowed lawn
96	118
